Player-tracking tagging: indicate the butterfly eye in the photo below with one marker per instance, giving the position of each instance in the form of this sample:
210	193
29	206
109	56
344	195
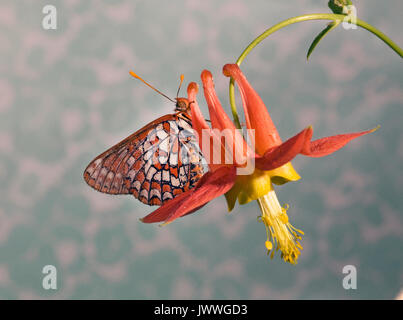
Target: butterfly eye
181	105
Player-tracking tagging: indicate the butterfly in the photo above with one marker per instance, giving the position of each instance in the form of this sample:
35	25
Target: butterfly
154	164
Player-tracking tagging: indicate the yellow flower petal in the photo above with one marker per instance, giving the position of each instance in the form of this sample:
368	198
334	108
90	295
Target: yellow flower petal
248	188
254	186
284	174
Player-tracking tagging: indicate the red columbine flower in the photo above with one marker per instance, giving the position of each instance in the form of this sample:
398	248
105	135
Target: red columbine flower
272	163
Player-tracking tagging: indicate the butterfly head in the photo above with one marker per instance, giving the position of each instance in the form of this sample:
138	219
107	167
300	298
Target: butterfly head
182	104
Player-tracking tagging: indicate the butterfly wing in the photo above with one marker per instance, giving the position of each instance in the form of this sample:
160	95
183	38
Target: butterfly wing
155	164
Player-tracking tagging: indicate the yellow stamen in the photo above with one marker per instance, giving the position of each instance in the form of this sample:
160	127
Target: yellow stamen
281	235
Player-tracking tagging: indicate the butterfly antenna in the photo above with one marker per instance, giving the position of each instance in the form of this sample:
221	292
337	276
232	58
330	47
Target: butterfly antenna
146	83
180	84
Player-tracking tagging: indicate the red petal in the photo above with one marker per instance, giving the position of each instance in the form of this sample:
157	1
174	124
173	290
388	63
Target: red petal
199	124
280	155
256	115
210	186
325	146
300	143
221	121
198	121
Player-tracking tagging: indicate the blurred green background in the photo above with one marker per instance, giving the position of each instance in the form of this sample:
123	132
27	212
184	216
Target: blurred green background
66	96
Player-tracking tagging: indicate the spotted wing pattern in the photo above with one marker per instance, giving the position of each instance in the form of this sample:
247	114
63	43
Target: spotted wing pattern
155	164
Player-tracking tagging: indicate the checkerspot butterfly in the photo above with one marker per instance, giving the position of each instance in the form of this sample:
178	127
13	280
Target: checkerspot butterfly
154	164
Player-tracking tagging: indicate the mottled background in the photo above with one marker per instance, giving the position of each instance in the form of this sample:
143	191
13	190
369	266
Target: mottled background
65	96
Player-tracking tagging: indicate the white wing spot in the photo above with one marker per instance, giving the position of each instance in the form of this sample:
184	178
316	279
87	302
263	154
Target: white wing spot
165	175
166	195
150	173
157	176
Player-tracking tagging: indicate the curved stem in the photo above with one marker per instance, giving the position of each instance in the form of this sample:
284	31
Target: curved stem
306	17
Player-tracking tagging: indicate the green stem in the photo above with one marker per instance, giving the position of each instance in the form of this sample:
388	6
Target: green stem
306	17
